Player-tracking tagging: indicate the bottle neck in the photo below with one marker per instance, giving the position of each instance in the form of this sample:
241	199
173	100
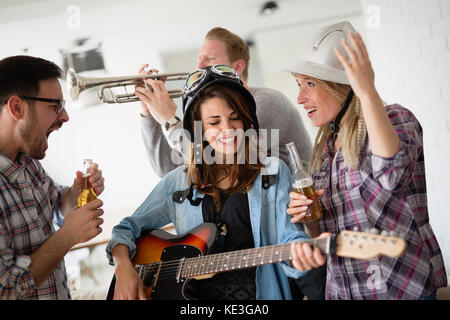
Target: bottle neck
86	183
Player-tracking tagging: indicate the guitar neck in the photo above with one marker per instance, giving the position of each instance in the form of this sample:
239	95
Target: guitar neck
248	258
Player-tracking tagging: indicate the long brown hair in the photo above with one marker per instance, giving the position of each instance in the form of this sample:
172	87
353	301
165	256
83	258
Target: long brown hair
242	173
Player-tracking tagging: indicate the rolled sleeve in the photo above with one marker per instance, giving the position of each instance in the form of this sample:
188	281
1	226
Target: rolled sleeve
394	172
116	240
292	272
16	279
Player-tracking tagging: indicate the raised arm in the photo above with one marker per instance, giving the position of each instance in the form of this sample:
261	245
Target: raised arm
156	109
383	139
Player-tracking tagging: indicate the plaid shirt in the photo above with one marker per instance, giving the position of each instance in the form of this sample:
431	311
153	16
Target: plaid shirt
387	194
28	198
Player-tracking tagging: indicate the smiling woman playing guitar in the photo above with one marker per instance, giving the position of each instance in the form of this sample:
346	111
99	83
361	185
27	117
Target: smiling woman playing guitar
223	185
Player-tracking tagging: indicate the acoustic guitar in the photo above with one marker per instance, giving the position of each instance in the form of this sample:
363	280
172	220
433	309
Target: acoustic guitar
165	262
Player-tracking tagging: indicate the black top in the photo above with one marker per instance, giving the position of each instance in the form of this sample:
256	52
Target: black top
232	285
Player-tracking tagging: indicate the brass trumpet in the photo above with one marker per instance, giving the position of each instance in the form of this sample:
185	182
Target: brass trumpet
77	84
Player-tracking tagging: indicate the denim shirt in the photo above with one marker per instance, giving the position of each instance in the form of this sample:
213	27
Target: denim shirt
270	222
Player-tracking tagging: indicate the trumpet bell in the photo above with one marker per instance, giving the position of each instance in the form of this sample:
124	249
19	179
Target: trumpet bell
72	84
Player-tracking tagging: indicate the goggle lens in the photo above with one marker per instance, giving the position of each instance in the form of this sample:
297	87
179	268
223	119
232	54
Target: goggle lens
225	70
199	76
193	78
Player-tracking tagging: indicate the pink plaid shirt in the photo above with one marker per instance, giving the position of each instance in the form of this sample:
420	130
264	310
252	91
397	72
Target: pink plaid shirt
387	194
28	200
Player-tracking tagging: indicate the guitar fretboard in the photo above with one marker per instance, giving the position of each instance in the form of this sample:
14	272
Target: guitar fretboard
242	259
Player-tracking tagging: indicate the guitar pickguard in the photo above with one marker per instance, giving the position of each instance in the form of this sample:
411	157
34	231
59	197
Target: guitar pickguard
169	285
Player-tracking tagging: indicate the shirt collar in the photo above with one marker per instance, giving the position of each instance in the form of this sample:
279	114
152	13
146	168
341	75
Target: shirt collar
9	169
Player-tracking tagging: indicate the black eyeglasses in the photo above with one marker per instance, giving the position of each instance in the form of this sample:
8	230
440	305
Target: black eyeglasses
60	102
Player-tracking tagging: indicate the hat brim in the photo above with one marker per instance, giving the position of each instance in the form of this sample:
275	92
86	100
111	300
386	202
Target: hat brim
318	71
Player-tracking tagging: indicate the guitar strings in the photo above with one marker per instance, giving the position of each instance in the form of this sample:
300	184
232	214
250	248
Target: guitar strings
236	260
232	254
169	269
190	267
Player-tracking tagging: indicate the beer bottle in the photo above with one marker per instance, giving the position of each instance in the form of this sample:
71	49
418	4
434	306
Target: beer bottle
303	184
87	193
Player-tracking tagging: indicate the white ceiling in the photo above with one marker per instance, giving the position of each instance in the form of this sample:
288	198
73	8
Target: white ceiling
169	24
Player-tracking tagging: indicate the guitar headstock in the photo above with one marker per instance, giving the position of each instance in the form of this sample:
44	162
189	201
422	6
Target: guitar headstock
368	245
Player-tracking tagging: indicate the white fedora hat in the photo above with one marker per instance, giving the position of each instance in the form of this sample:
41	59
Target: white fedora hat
318	57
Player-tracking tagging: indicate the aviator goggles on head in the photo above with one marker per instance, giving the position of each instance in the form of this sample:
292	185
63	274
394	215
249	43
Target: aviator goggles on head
196	79
219	74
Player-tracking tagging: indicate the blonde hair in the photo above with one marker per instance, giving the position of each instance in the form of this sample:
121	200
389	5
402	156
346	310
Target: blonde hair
353	129
236	47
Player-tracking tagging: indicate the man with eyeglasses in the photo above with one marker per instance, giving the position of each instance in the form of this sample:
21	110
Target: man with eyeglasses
31	250
274	111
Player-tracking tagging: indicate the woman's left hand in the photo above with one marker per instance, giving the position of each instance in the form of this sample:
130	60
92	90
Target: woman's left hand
359	69
305	257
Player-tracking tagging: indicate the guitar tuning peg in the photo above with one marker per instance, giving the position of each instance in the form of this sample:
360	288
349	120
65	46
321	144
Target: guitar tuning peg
393	233
374	231
384	233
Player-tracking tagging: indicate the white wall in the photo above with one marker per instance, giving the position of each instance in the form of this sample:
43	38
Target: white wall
410	52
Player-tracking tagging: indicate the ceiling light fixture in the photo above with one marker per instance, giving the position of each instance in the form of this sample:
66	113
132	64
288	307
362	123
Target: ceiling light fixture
269	8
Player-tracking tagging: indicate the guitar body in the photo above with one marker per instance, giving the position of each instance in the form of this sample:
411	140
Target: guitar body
160	253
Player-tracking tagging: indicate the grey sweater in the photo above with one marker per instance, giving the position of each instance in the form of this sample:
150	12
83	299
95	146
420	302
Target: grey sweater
274	111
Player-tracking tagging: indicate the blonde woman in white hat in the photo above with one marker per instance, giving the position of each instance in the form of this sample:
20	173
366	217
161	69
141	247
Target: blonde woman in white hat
368	170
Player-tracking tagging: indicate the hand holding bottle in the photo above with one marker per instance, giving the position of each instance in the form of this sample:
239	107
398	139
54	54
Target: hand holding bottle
306	207
83	224
299	205
88	184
